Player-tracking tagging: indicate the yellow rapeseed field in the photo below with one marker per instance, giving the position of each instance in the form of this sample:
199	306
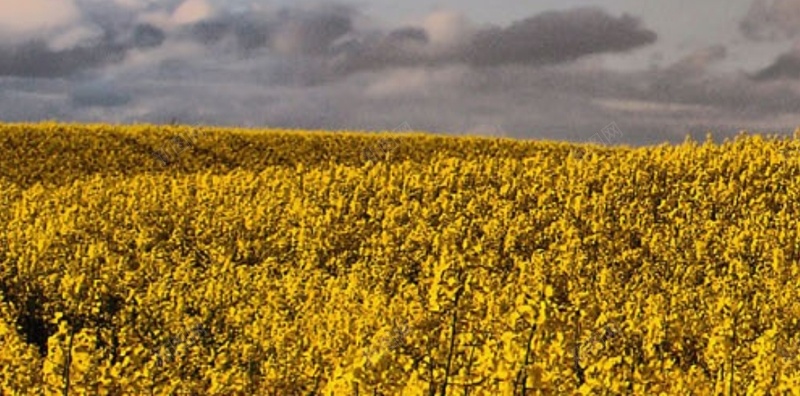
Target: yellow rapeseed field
148	260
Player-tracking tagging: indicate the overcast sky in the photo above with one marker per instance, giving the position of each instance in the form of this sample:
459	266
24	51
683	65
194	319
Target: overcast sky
544	69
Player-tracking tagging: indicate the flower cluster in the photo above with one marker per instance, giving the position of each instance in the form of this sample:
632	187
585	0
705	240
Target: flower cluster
177	144
281	262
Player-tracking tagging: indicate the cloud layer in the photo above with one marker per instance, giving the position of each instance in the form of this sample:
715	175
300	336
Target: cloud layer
331	66
545	39
772	20
323	34
775	20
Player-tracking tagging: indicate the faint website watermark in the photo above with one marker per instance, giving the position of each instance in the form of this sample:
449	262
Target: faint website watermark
609	134
784	350
385	145
389	343
165	353
598	341
176	145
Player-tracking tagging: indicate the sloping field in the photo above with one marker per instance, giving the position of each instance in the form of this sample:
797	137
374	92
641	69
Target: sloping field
160	260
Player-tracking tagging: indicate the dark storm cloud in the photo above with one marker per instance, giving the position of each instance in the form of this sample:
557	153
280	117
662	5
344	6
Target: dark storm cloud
147	36
787	66
549	38
772	20
290	31
557	37
302	32
409	33
563	103
247	32
322	42
326	36
36	59
775	20
212	32
99	94
699	61
398	48
698	93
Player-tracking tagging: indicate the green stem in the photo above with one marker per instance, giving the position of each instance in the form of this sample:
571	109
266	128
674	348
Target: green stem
68	363
453	332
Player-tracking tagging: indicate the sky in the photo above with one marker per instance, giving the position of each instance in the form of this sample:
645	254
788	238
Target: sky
654	71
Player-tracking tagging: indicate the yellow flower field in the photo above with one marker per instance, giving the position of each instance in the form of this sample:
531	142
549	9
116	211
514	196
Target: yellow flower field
150	260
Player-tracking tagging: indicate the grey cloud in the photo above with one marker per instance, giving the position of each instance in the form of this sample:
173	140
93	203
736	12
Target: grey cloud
566	103
327	36
557	37
37	59
410	33
113	31
772	20
698	61
147	36
549	38
211	32
721	93
290	31
402	47
99	94
27	99
702	92
787	66
247	32
311	32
